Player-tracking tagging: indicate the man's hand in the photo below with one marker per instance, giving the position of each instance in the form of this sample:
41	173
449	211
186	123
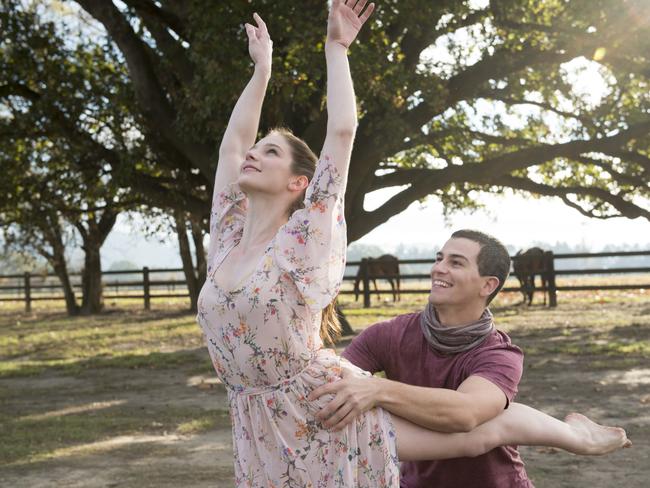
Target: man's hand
354	394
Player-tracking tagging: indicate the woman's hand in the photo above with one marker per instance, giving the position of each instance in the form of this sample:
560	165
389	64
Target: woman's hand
260	45
346	19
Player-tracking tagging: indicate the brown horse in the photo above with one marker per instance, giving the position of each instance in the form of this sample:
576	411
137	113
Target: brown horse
386	267
525	265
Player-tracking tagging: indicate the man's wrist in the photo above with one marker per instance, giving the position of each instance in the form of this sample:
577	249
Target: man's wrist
381	392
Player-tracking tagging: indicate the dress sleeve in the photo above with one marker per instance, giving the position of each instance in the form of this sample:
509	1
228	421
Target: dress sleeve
310	248
227	219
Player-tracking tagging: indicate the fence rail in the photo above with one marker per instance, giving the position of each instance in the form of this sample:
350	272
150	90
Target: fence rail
145	288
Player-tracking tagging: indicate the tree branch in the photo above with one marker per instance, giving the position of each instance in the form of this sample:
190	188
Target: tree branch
148	185
424	182
623	178
153	101
624	207
165	16
172	50
502	97
635	157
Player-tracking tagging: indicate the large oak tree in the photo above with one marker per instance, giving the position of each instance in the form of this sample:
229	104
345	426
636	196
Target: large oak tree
454	95
546	98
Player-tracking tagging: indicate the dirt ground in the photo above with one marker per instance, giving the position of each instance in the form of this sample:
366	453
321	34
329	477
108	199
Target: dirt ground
568	368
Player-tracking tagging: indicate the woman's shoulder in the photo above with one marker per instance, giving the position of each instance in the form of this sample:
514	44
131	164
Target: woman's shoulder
231	194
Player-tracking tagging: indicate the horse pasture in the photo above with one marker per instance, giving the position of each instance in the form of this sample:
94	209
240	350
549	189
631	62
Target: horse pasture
127	398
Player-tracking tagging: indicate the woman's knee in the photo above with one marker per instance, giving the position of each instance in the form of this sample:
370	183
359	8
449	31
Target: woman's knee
481	440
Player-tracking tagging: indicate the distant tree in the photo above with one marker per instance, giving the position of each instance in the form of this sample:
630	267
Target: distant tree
123	265
63	130
45	205
358	250
59	88
13	262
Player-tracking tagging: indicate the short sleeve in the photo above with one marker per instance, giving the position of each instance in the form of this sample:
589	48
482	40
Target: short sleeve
501	365
370	349
226	220
311	246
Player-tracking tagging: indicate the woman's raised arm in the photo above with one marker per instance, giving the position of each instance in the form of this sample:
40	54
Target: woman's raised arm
245	118
345	20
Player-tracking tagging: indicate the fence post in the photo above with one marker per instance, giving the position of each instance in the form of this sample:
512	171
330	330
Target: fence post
145	288
28	292
550	282
366	283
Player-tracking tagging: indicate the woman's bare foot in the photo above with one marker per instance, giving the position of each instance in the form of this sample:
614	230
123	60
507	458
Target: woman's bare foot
594	439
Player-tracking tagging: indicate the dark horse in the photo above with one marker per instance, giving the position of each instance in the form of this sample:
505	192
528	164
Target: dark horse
525	265
385	266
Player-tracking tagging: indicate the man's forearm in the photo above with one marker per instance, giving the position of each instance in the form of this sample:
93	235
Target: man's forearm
438	409
476	400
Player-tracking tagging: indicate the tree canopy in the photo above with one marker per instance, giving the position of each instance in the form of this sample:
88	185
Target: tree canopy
545	97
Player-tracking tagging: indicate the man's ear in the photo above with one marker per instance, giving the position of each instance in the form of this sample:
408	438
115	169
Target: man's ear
298	183
490	284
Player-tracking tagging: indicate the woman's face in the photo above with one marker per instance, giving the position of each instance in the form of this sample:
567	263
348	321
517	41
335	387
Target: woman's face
267	167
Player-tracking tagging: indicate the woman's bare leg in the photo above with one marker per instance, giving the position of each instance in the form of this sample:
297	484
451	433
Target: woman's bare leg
518	425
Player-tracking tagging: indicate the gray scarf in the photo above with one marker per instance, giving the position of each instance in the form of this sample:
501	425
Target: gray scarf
452	340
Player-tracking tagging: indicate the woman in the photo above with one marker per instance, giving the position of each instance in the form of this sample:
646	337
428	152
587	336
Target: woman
275	263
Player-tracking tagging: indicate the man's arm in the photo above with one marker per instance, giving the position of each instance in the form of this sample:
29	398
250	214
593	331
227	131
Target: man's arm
475	401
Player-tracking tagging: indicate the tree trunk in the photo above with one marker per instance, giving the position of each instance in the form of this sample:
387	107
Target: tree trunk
193	286
199	249
53	235
91	276
61	270
91	279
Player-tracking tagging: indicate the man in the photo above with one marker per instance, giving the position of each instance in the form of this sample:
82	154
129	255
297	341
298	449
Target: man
447	368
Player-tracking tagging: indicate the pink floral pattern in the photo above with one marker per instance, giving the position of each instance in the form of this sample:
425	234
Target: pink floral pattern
263	339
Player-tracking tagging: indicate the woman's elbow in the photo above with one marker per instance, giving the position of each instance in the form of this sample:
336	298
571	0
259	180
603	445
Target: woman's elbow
343	132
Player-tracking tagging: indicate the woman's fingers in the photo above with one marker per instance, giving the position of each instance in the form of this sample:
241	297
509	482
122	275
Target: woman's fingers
250	30
367	13
359	6
261	24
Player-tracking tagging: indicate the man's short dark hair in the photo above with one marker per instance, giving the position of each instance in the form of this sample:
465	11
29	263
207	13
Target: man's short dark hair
493	258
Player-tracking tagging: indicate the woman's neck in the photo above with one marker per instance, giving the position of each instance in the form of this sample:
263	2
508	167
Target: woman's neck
264	217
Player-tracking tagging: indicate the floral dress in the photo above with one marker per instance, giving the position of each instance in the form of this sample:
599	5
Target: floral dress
263	339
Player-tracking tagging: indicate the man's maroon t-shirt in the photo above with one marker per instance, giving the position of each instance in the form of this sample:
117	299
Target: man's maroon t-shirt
399	348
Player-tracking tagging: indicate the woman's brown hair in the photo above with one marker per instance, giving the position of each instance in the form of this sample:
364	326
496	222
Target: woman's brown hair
303	163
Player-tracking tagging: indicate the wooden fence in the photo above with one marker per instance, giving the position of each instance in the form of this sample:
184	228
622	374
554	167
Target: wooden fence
551	274
143	288
147	288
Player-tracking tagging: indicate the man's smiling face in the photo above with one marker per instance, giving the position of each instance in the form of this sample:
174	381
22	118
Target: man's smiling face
455	278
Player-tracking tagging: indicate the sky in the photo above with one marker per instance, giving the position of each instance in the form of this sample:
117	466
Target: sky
517	221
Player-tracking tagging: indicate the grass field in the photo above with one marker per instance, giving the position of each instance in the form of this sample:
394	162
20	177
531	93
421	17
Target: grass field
128	398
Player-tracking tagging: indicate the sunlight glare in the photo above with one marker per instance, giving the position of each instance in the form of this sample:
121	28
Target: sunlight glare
89	407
